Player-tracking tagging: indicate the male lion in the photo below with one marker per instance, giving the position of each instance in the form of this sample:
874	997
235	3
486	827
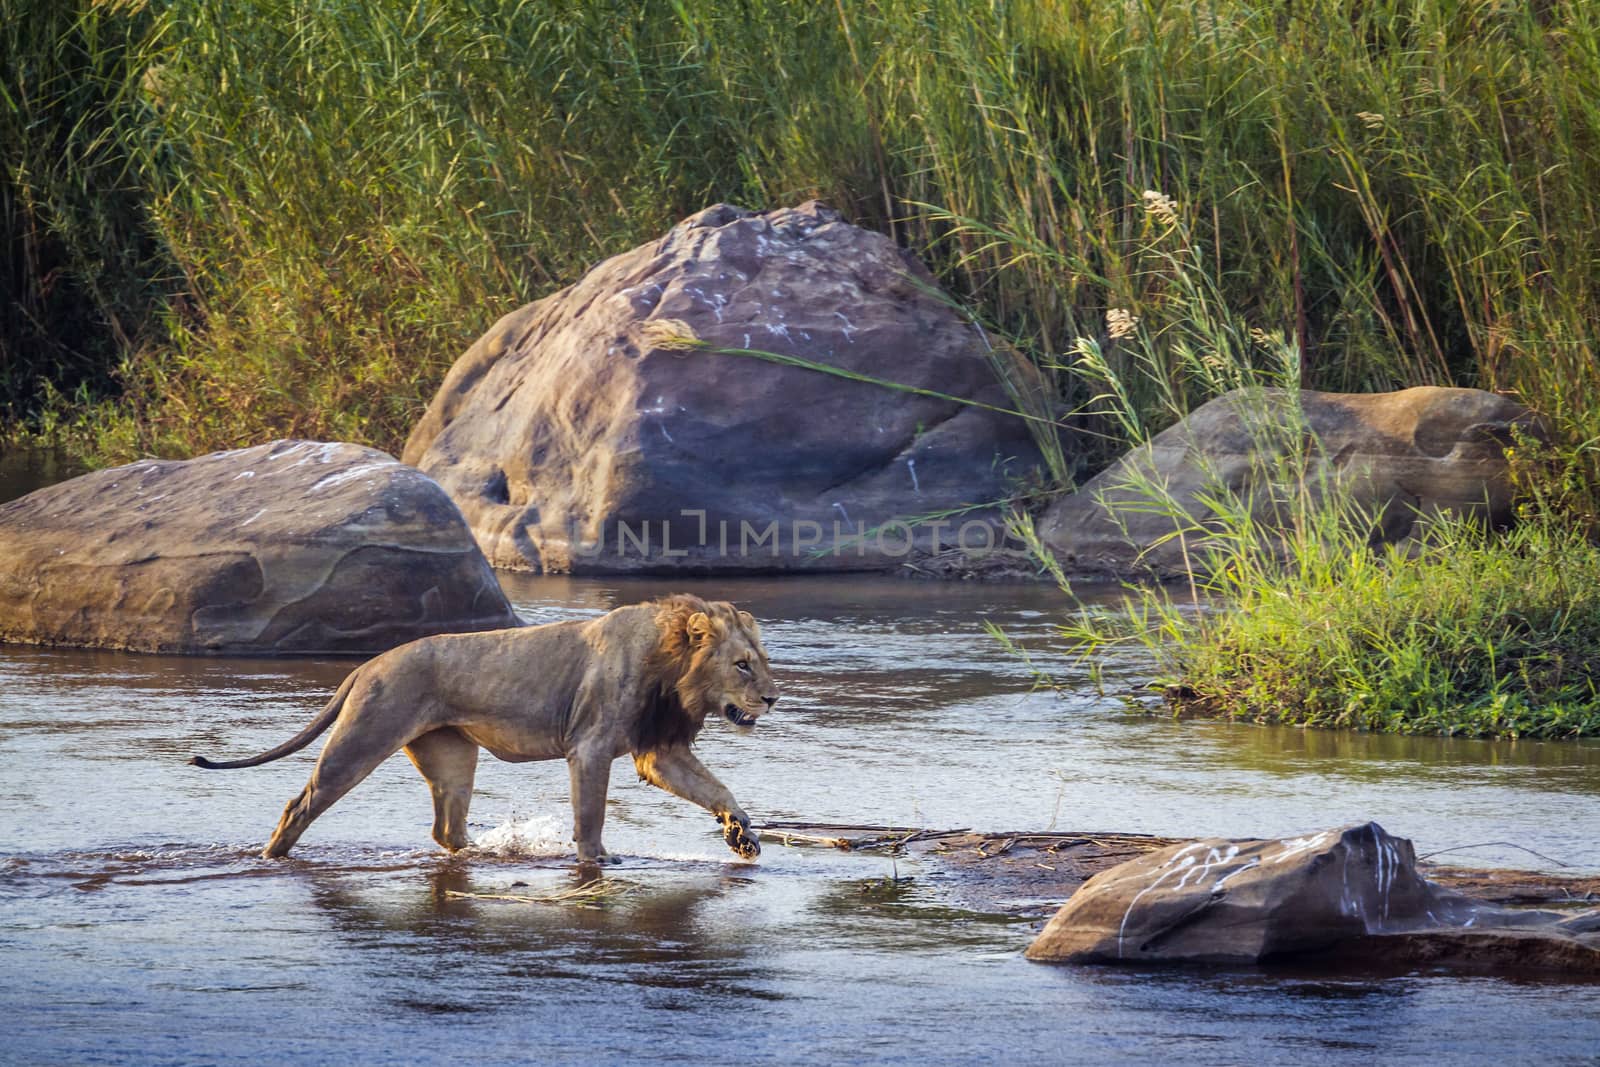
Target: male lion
640	679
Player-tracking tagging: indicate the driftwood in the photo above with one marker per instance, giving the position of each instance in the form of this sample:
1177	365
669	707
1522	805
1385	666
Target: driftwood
1518	887
858	837
848	837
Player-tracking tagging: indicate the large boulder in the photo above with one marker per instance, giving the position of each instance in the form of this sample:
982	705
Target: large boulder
576	440
290	547
1354	891
1401	456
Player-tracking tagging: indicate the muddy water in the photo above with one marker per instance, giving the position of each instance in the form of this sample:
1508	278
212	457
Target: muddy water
137	926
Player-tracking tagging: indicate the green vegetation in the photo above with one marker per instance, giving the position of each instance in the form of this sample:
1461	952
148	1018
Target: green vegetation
227	220
1291	615
1469	633
83	279
291	215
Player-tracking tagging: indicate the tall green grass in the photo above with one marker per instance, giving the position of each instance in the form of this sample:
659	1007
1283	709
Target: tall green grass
82	275
350	193
1295	610
227	220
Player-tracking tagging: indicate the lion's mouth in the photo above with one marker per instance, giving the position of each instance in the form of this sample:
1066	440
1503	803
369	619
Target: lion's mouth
739	718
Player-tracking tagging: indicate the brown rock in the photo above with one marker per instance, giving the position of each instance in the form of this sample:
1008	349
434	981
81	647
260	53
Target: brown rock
565	422
1404	454
290	547
1353	891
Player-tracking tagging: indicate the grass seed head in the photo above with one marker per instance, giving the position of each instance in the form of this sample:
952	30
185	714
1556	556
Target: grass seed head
1161	207
1120	323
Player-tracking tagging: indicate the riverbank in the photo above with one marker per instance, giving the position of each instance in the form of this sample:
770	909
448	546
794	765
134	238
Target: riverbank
1461	631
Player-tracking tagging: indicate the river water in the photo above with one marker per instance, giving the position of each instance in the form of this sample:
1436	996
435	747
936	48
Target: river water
138	926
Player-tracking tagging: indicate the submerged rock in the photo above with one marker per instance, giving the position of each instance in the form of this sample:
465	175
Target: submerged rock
290	547
1354	892
1402	455
577	440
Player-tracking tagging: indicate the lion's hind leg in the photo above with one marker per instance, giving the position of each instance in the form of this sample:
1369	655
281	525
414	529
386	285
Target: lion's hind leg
449	762
359	743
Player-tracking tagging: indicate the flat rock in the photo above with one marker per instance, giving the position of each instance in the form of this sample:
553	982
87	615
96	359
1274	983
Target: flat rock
1402	455
576	440
1489	951
290	547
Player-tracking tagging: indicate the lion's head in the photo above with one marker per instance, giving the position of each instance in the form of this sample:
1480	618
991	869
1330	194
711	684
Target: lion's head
712	659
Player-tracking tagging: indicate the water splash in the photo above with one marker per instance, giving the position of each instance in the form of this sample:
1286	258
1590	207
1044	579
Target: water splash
536	835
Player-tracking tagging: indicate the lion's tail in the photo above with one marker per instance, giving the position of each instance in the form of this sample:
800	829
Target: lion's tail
295	743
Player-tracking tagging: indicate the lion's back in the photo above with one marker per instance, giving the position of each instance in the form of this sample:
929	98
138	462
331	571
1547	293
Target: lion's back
533	673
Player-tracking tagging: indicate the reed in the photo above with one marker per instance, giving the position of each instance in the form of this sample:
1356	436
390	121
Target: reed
1289	614
338	197
229	220
81	272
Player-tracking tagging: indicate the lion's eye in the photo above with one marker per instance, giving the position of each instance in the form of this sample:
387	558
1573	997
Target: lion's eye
743	665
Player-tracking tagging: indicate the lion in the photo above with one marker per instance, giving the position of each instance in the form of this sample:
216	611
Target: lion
639	680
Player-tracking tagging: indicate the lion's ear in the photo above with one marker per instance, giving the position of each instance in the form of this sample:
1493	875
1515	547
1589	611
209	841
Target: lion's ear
748	621
700	627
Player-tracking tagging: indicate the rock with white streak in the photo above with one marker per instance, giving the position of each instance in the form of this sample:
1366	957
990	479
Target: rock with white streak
576	441
291	547
1353	893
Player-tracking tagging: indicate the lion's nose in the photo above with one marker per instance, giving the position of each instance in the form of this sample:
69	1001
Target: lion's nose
769	700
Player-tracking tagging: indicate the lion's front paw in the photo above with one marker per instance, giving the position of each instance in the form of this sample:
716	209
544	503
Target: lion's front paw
743	840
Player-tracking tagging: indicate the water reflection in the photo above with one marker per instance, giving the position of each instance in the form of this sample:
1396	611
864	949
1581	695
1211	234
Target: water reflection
902	913
122	868
1561	765
842	601
657	931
